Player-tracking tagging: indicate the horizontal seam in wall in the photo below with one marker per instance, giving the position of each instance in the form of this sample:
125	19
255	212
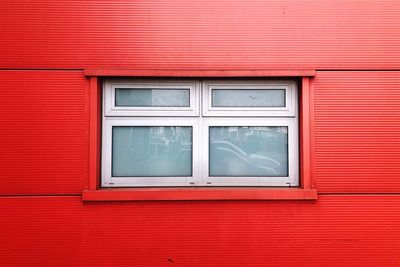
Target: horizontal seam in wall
44	69
362	70
358	194
82	69
46	195
320	194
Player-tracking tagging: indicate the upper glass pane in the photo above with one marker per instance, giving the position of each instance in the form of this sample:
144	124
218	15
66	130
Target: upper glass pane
151	151
127	97
248	151
248	98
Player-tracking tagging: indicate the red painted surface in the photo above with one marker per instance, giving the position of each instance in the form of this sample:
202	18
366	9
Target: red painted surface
94	104
49	132
43	132
198	73
332	231
357	132
203	34
306	119
199	194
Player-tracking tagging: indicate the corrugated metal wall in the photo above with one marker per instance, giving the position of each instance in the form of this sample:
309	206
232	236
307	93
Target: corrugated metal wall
357	127
43	132
334	231
223	34
353	45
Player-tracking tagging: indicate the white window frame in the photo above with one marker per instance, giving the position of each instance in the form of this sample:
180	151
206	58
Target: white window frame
110	109
289	110
109	181
293	155
190	116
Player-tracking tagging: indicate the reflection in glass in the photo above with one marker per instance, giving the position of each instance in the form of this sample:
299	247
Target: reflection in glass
151	151
125	97
248	98
248	151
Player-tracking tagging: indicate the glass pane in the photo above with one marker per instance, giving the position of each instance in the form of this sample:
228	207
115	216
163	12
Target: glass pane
248	98
151	151
152	97
249	151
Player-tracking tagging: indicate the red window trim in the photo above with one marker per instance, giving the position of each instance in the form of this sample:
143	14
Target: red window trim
197	73
198	194
306	191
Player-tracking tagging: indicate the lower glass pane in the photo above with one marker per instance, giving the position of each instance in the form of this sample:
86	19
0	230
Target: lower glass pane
151	151
248	151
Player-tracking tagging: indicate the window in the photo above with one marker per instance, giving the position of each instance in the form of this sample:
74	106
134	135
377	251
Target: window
200	133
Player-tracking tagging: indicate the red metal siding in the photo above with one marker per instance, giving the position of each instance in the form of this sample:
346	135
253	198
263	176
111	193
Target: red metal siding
357	131
43	135
205	34
333	231
44	123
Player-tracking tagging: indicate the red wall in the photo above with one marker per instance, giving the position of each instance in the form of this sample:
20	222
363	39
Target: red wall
333	231
44	121
357	131
223	34
43	132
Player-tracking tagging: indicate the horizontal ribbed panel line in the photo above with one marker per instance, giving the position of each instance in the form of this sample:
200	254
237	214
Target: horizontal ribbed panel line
322	194
40	69
357	70
42	195
82	69
359	194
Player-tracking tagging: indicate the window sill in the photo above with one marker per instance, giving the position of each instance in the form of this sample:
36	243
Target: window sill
157	194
